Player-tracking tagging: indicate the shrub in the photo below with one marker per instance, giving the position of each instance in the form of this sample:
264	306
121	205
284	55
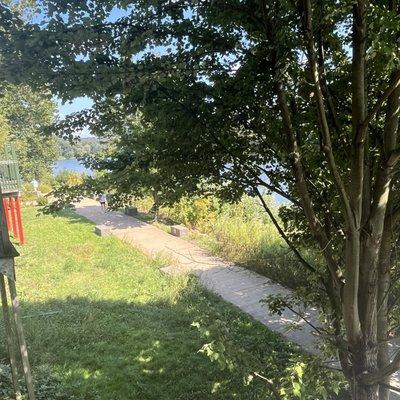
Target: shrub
27	192
45	188
197	212
47	178
241	232
42	201
69	178
144	204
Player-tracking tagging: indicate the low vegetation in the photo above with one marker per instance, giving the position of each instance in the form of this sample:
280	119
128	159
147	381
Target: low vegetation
102	322
240	232
67	178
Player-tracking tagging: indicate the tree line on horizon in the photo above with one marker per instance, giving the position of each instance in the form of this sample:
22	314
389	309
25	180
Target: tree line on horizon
79	148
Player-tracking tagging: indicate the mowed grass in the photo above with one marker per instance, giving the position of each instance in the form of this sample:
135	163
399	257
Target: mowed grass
102	322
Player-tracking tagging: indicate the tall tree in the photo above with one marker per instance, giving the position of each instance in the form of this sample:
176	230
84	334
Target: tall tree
299	96
128	163
27	116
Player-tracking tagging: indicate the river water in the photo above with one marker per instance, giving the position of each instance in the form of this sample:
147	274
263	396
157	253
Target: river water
72	165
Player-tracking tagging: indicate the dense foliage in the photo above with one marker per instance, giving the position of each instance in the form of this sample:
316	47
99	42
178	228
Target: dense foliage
299	97
25	116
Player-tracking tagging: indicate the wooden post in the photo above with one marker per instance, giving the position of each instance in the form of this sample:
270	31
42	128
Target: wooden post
13	218
21	340
20	227
7	268
9	335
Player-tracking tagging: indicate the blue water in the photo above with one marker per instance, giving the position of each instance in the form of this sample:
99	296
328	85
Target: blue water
72	165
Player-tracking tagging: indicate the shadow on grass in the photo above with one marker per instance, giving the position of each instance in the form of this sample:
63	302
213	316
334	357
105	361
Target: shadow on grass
82	349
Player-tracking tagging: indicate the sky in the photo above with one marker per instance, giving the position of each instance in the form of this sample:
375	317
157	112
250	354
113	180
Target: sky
79	104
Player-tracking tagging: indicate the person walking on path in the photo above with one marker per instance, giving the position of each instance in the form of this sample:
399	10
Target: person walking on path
103	201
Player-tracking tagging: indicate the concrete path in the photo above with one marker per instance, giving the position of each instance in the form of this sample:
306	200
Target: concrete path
239	286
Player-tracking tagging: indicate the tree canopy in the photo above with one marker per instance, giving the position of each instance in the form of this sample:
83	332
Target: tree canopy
298	97
27	115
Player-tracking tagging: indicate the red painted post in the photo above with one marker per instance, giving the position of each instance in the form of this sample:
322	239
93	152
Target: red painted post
10	215
13	218
7	213
21	233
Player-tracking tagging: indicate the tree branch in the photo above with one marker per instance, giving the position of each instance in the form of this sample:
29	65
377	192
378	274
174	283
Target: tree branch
392	86
306	13
301	185
283	234
270	385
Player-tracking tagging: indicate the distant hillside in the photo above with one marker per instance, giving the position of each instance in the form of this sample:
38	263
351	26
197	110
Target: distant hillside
84	146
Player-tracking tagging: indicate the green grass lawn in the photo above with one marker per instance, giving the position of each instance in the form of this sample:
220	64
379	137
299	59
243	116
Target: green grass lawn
102	322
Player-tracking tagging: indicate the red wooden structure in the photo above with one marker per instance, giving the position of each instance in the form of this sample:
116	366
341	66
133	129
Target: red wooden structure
11	222
10	185
12	210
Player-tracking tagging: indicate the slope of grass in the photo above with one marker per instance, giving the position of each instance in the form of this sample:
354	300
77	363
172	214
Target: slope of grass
102	323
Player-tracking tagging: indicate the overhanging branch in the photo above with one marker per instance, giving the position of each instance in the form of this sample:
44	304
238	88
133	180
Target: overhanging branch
308	266
306	13
392	86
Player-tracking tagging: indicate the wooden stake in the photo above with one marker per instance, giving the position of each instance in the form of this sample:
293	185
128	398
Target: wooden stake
21	340
9	336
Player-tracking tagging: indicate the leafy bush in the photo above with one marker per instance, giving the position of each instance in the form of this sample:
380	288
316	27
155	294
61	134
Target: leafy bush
241	232
45	188
47	179
68	178
195	212
27	193
42	201
144	204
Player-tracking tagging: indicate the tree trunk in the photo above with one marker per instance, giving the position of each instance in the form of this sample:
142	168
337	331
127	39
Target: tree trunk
155	208
363	392
365	360
383	289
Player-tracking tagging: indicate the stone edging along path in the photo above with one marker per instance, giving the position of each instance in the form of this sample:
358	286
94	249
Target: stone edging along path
239	286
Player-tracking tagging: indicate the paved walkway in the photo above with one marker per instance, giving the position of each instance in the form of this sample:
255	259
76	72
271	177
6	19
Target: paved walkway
239	286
